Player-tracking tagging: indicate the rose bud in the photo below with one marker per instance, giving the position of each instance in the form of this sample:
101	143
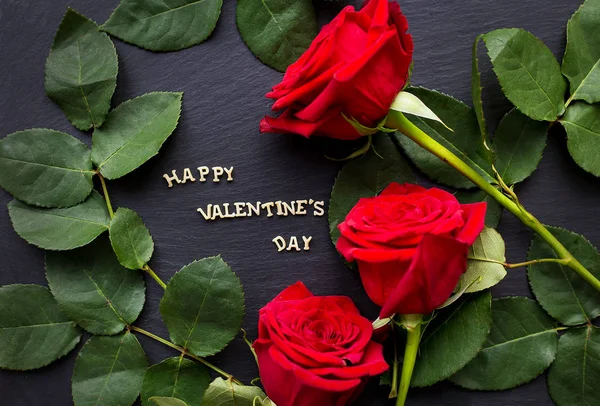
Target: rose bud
355	67
315	350
411	246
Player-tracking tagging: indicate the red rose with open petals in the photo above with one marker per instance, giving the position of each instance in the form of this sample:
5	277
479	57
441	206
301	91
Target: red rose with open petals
411	246
356	66
315	350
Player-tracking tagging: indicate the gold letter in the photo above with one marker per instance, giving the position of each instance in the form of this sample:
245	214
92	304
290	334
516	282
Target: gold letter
170	179
306	243
203	171
279	242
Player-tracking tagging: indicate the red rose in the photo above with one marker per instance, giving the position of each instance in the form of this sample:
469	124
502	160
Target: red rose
411	246
315	350
356	66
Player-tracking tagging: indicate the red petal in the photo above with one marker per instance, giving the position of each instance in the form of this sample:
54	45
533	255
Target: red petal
296	291
433	274
402	189
372	364
474	217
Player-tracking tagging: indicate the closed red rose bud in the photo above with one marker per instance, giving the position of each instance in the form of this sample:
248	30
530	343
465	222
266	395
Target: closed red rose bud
315	350
356	66
411	246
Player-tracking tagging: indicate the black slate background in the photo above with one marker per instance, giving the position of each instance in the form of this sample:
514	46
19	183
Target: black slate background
224	87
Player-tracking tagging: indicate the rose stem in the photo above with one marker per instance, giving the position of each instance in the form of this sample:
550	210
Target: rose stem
184	352
413	337
398	121
145	268
106	197
394	390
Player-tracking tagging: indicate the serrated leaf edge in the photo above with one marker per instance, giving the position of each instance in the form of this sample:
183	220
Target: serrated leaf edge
546	118
489	328
523	382
135	253
153	49
218	256
68	348
99	166
9	206
529	266
111	333
37	203
92	125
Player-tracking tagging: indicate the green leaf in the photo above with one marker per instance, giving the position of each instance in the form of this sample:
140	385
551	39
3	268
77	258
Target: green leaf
582	123
45	168
263	402
476	91
574	376
109	371
175	378
130	239
465	141
277	32
167	401
33	330
581	63
453	338
528	73
81	71
519	143
482	275
134	132
565	295
60	229
227	393
93	289
406	102
365	177
203	306
159	25
521	345
494	209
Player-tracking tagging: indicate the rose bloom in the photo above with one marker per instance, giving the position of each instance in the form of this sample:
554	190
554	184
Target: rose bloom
411	246
315	350
356	66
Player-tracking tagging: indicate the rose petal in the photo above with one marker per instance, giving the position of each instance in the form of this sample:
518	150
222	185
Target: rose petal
474	217
431	277
288	384
402	189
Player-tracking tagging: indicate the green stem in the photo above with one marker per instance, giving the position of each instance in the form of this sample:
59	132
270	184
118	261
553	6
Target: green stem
398	121
410	356
154	276
569	101
106	197
145	268
184	352
394	391
520	264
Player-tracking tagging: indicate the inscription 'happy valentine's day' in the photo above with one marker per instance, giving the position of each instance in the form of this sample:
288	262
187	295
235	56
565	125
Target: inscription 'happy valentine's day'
211	212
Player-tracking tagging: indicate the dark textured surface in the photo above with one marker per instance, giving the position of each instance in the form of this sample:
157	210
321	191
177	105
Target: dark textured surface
224	87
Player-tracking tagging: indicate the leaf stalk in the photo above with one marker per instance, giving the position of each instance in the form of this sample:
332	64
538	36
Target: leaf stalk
106	196
154	276
561	261
185	353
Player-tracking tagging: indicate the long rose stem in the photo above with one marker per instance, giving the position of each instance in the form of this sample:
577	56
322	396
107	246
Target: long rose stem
398	121
410	356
